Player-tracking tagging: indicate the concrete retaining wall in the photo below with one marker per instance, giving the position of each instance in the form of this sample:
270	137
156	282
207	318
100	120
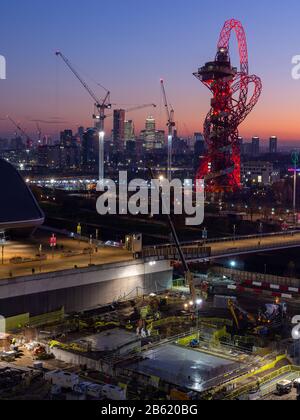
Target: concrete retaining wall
79	290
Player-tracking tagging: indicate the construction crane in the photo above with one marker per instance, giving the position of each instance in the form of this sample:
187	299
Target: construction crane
136	108
22	131
170	124
101	105
189	278
39	132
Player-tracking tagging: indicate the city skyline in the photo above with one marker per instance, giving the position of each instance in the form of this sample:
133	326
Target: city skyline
38	85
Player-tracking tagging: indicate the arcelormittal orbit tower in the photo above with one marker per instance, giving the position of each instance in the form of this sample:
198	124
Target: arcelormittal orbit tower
230	105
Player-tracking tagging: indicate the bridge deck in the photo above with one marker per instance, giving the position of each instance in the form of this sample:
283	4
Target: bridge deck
70	252
226	247
252	245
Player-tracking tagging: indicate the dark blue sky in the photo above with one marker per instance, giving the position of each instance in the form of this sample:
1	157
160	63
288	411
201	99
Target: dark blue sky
128	45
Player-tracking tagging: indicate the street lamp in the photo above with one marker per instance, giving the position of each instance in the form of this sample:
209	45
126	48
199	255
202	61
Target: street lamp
101	155
295	170
2	243
232	264
198	305
261	229
296	333
204	234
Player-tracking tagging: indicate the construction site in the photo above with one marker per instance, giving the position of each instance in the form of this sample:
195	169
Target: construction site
88	319
136	323
155	346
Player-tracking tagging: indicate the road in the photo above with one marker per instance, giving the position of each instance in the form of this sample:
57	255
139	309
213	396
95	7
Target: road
270	387
56	258
227	247
249	244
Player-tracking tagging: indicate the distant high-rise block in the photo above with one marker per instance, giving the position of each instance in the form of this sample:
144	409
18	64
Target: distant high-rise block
129	134
150	124
255	146
90	148
119	130
273	145
66	138
152	138
199	149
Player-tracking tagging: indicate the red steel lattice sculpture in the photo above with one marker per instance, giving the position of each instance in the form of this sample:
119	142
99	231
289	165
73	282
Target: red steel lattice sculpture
221	168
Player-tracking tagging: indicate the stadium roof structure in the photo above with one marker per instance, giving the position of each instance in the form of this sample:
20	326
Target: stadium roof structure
18	207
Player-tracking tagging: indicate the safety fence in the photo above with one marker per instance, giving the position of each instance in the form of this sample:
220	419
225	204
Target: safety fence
260	381
47	318
271	387
25	320
245	276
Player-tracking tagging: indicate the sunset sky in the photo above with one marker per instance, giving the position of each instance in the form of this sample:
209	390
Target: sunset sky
128	45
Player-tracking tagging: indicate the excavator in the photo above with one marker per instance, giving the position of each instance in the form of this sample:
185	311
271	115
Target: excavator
242	319
271	318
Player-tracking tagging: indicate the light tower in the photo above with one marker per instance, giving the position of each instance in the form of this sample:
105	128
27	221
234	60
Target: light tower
171	125
295	170
229	107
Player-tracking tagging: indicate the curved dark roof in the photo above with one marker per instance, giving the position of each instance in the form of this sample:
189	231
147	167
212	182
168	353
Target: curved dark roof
18	207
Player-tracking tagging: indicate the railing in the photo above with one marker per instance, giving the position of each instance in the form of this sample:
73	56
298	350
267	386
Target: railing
271	376
261	246
272	387
170	252
241	238
201	250
235	238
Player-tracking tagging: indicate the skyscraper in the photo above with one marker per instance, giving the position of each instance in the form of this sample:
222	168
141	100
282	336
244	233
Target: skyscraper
199	149
152	138
119	130
273	145
80	133
66	138
255	146
90	148
150	124
129	131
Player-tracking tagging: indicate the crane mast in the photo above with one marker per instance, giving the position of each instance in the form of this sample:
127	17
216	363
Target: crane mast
100	105
21	130
170	124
